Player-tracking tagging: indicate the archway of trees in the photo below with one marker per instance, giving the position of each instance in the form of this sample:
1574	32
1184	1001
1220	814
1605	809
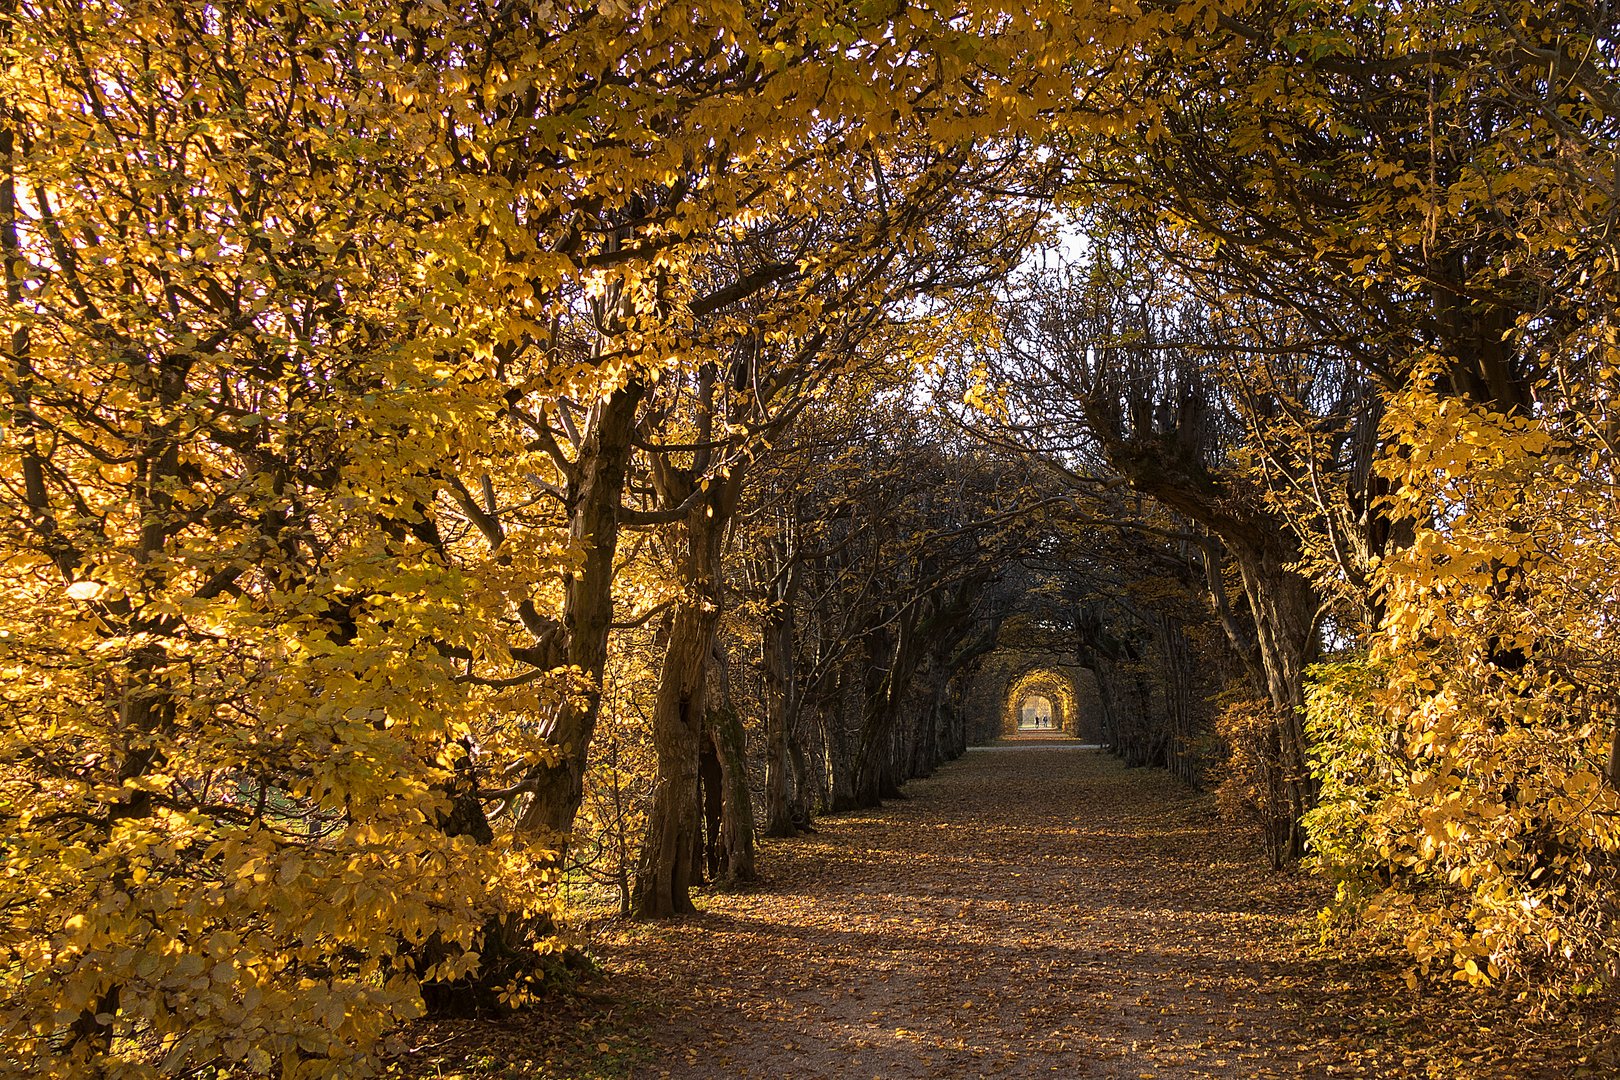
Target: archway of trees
451	452
1053	689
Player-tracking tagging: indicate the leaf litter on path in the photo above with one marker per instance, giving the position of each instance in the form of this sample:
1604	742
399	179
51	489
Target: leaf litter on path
1045	913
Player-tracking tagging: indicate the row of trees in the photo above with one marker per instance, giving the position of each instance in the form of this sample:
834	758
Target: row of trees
854	589
1346	312
395	398
373	378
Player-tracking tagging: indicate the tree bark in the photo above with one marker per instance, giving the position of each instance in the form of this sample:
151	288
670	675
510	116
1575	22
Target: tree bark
1614	756
781	703
666	870
737	805
835	742
885	653
708	857
1284	605
593	506
665	874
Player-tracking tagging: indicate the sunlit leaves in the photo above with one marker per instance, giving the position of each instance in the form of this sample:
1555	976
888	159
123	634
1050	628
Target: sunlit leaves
1465	795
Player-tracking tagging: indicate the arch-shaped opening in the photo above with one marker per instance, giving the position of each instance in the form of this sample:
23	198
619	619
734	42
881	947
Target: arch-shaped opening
1036	713
1041	700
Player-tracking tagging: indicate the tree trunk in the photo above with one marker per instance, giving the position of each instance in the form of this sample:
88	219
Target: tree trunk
1614	756
737	805
709	858
805	795
730	745
889	660
781	705
836	740
593	501
664	877
1284	604
665	873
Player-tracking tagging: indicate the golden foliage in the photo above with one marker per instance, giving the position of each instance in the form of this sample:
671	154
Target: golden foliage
277	278
1469	796
235	733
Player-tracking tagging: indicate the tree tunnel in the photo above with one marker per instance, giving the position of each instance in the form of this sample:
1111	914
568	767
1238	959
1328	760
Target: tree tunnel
1040	700
1019	692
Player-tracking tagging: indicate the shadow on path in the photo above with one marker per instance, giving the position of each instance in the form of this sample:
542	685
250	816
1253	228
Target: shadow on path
1040	913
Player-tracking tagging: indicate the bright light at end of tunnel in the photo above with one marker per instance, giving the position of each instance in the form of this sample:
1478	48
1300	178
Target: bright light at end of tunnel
1041	699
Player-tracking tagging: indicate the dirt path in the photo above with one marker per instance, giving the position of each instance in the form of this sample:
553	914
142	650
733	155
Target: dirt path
1031	911
1038	911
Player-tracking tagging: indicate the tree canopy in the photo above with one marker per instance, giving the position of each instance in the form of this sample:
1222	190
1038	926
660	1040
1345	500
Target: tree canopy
457	454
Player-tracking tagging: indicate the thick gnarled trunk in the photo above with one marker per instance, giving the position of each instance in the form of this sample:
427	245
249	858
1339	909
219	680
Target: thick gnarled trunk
593	502
666	872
